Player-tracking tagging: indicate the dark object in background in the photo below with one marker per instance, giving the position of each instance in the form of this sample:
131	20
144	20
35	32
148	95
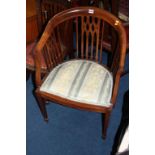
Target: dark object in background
123	125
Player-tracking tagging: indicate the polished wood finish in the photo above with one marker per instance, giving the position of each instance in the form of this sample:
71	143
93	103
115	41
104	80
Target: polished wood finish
105	122
39	12
41	104
31	21
46	9
31	29
89	27
115	7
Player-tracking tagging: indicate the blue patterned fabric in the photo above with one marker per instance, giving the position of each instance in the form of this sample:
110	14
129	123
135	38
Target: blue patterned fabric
81	81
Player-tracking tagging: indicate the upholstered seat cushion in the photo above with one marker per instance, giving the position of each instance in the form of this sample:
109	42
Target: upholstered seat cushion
81	81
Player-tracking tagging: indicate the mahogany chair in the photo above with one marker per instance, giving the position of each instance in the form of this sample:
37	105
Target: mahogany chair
83	83
46	9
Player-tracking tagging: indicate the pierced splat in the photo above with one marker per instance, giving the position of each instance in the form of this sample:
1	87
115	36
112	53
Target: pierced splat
89	35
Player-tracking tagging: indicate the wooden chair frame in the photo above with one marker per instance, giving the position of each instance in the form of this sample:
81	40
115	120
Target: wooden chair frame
116	67
45	9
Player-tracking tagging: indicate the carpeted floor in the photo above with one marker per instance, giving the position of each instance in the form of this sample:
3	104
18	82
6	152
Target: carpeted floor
70	131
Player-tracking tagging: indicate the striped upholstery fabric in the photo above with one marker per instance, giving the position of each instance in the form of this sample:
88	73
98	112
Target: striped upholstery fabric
82	81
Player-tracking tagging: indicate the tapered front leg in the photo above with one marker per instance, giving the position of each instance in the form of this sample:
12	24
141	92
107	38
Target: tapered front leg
42	106
105	123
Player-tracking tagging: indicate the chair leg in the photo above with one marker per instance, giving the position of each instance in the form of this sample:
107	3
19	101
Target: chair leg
42	106
105	122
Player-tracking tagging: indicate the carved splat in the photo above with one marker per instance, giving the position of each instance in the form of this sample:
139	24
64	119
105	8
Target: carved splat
89	37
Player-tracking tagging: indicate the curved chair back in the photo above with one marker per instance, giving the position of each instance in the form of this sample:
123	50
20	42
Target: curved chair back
88	26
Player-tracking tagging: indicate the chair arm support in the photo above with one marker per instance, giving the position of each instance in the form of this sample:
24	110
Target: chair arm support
116	86
37	56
